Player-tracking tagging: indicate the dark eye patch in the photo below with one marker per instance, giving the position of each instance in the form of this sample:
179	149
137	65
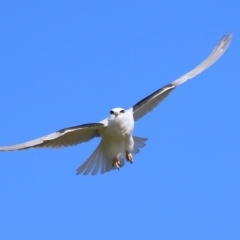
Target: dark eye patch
122	111
111	112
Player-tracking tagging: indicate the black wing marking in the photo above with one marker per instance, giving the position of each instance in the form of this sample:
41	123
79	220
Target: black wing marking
62	138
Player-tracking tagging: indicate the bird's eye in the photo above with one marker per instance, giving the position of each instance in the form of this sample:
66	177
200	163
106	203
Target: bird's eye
111	112
122	111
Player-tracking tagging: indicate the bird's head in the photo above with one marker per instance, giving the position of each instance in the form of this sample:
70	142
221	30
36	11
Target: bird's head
121	118
117	112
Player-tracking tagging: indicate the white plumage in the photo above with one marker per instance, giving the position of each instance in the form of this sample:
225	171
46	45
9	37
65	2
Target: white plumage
117	142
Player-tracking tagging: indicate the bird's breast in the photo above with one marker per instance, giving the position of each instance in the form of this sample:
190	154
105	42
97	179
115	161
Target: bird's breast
119	126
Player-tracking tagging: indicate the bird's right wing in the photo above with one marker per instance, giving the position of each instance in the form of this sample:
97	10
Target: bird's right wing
150	102
62	138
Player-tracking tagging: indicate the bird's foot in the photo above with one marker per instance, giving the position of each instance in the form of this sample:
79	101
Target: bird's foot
116	163
129	157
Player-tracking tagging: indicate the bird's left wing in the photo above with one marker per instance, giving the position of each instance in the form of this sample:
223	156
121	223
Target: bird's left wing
147	104
62	138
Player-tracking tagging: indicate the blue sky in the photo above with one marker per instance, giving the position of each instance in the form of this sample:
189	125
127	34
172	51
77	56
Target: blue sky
65	63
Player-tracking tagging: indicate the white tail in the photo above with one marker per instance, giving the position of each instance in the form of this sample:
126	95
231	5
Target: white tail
97	160
138	143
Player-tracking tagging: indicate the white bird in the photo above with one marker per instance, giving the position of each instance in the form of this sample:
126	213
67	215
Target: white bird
117	143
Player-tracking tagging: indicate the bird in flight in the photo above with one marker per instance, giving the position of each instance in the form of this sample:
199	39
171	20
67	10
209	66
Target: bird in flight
117	144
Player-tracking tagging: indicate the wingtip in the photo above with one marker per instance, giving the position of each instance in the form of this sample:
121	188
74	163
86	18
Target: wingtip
230	35
226	40
217	52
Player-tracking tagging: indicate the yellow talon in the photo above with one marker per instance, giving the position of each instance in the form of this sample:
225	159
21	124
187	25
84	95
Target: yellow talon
116	163
129	157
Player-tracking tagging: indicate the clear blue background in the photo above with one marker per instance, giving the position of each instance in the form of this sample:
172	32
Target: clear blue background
65	63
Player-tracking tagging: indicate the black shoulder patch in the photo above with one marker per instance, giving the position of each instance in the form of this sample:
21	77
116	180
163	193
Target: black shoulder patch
148	98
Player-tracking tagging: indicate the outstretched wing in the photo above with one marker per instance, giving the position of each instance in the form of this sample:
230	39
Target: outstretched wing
147	104
62	138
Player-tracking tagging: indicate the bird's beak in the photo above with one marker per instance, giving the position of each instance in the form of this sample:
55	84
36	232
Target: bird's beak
116	114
